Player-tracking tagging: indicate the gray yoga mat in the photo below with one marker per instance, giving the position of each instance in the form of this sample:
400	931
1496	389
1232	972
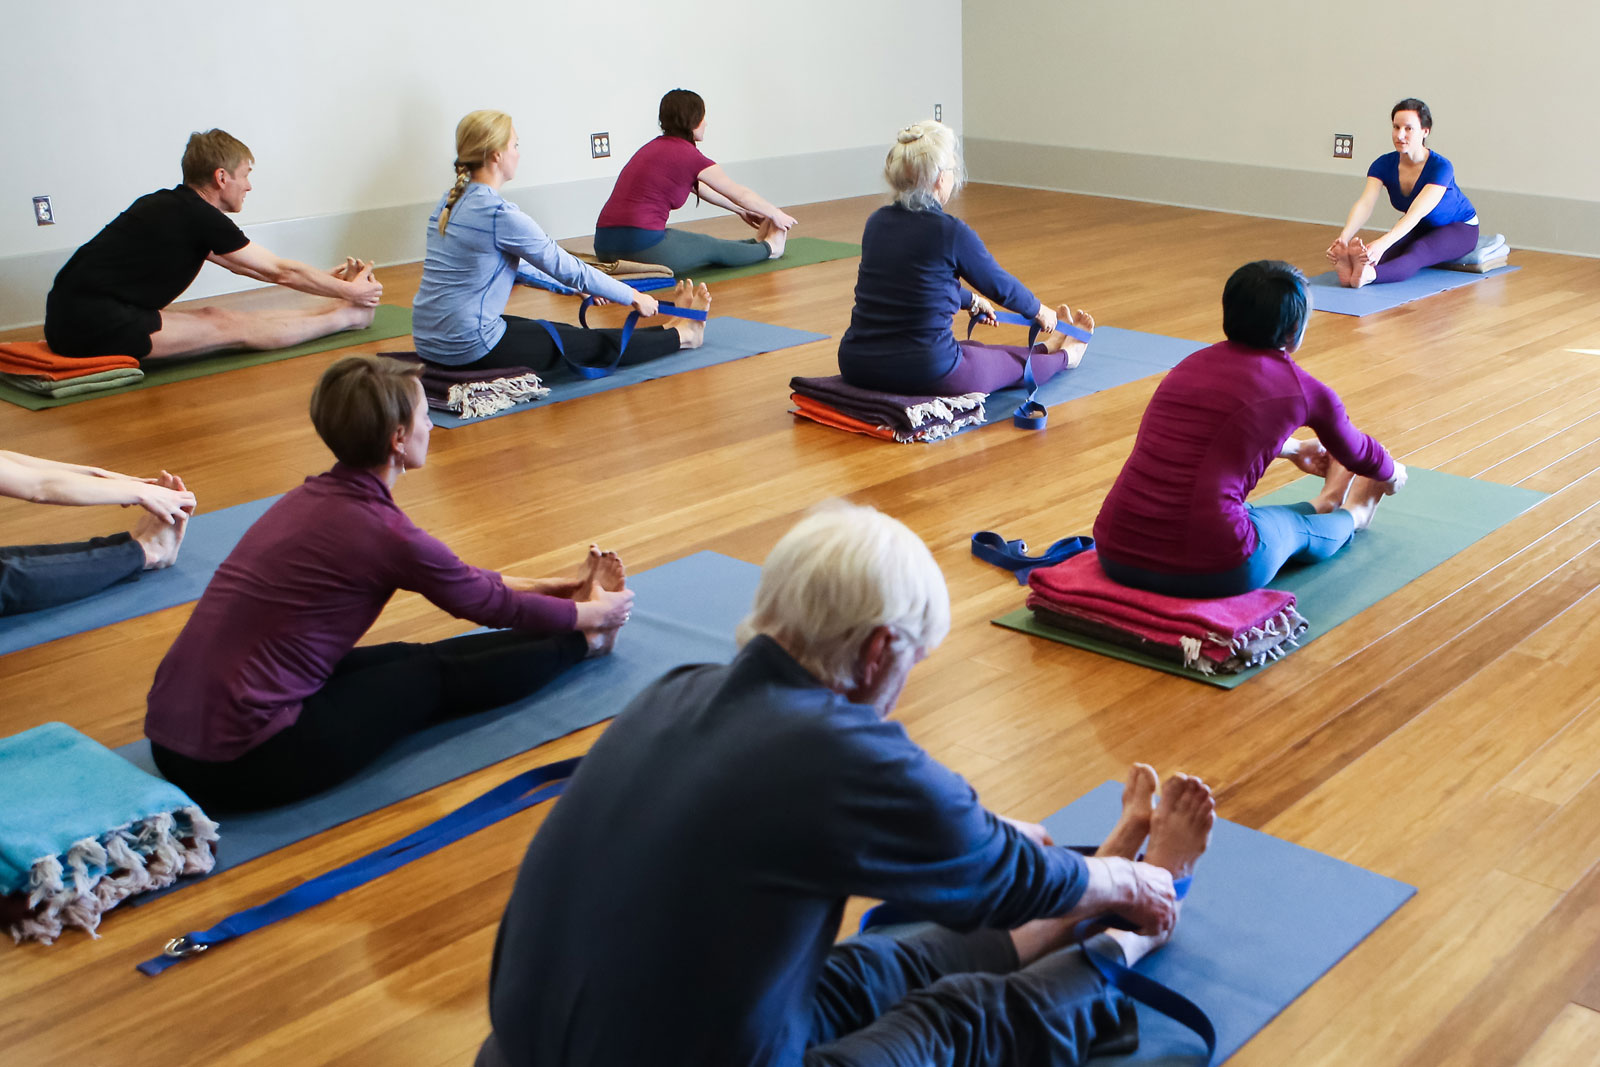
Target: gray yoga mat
686	612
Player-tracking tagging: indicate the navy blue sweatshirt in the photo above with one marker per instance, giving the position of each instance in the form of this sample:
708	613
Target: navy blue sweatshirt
907	289
678	904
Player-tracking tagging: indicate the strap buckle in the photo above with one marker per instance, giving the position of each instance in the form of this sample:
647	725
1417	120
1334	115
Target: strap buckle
182	948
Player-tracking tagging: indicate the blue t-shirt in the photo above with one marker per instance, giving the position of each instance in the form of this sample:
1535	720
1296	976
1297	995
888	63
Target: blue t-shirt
907	289
1455	207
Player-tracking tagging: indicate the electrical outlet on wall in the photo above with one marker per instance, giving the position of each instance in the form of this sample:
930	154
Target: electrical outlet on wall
1344	145
938	112
599	145
43	215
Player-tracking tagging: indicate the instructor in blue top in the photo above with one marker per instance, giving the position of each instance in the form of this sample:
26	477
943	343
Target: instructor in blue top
680	904
914	259
1437	222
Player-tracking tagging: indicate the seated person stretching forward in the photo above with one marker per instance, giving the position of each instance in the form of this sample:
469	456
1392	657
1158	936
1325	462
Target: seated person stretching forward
42	576
660	177
1176	521
1437	222
914	258
264	698
111	298
679	905
476	238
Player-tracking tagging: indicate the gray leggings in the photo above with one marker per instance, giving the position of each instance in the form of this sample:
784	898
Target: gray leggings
687	252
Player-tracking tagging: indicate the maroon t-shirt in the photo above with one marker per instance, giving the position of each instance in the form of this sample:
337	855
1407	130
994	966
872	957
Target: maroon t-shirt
1213	425
657	180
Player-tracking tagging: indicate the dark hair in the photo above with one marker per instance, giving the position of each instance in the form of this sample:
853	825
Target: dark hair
1264	304
359	403
681	111
1411	103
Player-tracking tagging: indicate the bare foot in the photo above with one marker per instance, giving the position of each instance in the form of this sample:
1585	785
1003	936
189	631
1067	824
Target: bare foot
1362	272
608	574
1180	829
1060	342
1133	825
1362	501
584	583
1339	252
776	241
160	540
1335	487
691	332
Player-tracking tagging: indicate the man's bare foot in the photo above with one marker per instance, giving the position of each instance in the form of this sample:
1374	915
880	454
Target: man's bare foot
1362	501
691	332
1339	252
1133	825
1362	271
1335	487
1060	342
1180	829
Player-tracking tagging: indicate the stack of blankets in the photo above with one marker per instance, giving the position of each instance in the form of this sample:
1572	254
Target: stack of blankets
474	394
1223	636
624	270
1490	255
82	829
31	367
833	402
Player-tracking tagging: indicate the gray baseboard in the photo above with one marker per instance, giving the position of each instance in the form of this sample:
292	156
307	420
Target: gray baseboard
396	234
1539	223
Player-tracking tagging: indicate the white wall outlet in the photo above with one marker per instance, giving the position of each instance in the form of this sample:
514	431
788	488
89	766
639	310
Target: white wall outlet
599	145
1344	145
42	213
938	112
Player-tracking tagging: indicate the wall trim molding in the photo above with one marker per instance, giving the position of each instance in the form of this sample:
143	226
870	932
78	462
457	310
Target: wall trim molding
1535	223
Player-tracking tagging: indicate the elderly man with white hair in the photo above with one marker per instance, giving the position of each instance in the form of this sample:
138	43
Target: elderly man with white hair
680	904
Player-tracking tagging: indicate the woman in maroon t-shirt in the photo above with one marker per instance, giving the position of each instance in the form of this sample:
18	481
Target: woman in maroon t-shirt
659	179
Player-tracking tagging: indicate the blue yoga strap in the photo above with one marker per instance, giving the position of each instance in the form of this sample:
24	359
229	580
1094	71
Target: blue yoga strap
1077	333
1030	414
1013	555
508	798
584	371
544	281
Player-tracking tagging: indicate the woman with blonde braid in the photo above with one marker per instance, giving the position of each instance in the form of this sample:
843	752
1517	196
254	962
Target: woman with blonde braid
475	240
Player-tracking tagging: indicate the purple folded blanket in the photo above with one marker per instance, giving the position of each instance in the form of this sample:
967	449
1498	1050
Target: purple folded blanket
474	393
902	414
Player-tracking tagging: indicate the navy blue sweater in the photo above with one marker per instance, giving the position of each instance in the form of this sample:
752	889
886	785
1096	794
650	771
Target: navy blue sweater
907	289
678	904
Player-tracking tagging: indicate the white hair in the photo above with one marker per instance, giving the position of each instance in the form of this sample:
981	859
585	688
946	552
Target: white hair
843	571
921	152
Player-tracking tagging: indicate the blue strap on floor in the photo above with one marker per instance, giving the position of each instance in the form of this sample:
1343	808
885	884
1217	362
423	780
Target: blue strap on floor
1013	555
609	369
508	798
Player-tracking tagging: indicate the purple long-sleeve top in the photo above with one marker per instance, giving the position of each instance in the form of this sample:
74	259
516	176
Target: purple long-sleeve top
295	595
1213	425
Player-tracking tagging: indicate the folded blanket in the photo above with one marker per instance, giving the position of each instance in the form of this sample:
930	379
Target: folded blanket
902	414
85	383
1227	635
82	829
625	269
34	358
1490	246
473	393
930	430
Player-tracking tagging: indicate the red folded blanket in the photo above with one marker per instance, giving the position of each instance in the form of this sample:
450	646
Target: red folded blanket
1226	635
34	358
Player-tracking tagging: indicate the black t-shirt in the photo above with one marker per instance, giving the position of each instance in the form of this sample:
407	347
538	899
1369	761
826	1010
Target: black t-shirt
150	253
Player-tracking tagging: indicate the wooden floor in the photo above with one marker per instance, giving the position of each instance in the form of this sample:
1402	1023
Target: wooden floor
1449	736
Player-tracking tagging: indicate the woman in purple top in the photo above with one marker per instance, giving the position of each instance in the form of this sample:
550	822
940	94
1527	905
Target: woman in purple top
914	259
264	698
660	177
1437	222
1176	521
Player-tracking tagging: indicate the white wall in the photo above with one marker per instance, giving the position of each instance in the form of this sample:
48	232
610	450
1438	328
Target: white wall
1266	83
350	108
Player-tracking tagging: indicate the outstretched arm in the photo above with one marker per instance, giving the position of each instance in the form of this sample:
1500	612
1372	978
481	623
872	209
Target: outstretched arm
254	261
742	199
1426	201
47	482
1361	211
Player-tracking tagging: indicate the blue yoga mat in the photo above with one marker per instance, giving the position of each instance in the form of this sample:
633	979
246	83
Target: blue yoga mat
1115	357
1328	295
211	536
686	612
727	339
1263	920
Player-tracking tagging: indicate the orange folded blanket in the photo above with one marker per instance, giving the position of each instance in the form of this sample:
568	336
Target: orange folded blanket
807	408
34	358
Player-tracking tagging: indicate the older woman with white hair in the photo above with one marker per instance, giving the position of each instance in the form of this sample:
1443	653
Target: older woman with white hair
914	261
693	878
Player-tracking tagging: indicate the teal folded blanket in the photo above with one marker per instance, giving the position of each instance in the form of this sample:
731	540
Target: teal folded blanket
82	829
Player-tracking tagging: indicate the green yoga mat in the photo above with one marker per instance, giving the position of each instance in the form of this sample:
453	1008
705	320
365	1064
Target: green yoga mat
390	321
1433	518
799	252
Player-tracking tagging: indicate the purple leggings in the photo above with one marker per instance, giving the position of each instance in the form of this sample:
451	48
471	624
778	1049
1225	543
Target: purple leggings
989	368
1426	248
